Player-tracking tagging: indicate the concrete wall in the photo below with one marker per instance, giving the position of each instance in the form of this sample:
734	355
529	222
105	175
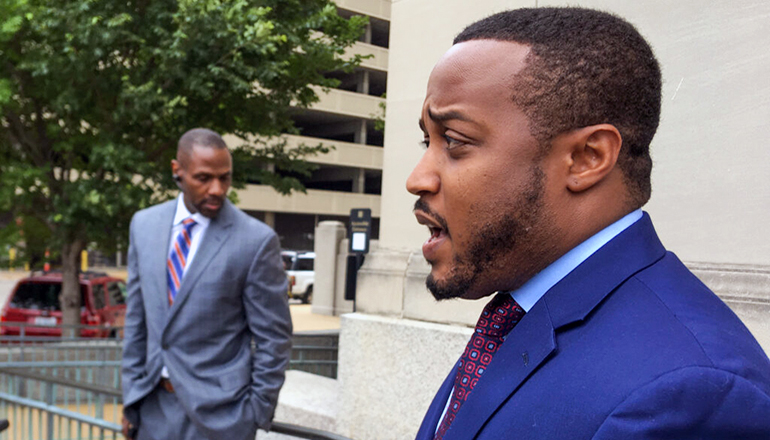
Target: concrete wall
389	369
709	201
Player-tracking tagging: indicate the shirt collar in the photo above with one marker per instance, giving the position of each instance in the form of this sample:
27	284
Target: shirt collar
182	213
534	289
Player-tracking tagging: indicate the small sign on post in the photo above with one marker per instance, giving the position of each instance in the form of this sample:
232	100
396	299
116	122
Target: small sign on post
360	231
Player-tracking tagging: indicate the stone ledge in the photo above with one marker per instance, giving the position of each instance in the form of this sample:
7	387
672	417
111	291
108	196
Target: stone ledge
307	400
734	282
389	370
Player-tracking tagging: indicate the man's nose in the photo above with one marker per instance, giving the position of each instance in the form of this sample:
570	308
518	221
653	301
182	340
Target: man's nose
424	177
217	188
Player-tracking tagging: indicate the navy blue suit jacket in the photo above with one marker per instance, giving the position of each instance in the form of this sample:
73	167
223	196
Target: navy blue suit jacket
630	345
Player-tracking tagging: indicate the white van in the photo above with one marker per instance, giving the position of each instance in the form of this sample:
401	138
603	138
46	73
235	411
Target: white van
299	269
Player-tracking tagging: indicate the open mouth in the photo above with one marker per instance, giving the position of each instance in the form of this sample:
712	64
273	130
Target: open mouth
438	233
435	233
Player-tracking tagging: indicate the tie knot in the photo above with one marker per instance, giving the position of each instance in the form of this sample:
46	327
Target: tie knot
188	223
499	316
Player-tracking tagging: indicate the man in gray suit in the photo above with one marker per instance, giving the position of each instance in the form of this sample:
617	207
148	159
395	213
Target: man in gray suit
205	280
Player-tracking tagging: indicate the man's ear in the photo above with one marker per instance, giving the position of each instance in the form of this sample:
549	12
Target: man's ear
175	167
594	154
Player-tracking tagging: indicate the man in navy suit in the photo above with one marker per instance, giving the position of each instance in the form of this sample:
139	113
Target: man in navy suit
537	124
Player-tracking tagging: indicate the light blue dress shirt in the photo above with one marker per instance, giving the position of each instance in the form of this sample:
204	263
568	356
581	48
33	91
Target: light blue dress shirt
534	289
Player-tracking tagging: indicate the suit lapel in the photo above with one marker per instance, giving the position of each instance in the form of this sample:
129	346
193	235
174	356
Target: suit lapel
215	237
571	300
160	239
527	346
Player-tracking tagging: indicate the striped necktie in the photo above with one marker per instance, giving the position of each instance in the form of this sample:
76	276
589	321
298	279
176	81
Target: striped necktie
177	258
496	321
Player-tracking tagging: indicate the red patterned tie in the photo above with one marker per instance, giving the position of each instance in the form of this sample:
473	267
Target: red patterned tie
497	320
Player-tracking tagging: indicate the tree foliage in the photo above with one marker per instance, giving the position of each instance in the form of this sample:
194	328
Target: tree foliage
95	93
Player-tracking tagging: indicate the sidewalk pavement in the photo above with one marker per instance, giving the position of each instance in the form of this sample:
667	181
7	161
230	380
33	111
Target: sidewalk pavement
301	314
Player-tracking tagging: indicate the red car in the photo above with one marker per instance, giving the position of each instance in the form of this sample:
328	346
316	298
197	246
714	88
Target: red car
35	302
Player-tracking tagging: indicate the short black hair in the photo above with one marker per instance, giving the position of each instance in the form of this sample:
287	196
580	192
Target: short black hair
200	137
585	67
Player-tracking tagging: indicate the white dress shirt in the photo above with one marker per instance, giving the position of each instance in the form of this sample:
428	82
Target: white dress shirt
196	235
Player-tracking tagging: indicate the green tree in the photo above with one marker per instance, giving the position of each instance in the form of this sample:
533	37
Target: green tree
95	93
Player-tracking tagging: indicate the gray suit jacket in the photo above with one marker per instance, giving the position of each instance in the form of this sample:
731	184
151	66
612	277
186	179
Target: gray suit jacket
233	292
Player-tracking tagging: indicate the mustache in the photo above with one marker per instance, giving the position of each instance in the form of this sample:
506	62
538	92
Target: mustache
422	205
213	199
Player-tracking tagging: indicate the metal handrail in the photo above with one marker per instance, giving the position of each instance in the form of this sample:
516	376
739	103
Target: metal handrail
304	432
290	429
59	364
76	326
52	409
108	391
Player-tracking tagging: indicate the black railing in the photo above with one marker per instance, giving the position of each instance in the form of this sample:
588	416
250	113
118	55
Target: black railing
28	333
304	432
315	352
95	397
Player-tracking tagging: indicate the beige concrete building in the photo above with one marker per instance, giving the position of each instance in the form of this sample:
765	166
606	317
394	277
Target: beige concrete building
350	175
710	197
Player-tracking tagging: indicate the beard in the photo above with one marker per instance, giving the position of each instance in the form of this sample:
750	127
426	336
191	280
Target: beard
492	241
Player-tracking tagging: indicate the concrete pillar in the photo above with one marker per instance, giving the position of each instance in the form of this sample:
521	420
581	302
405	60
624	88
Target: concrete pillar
363	82
328	235
368	34
360	135
359	182
270	219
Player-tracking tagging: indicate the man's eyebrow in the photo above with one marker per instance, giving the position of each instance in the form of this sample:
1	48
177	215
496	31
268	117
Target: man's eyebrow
211	173
447	115
442	117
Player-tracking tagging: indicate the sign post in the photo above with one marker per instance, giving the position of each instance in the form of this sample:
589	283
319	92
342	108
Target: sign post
360	231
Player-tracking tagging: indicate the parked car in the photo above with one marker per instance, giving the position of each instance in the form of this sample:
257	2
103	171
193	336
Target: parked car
35	302
299	269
